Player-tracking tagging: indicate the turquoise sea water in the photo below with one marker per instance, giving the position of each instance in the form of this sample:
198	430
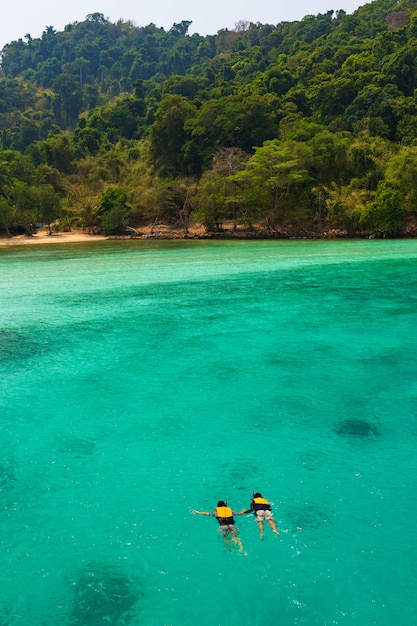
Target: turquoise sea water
140	380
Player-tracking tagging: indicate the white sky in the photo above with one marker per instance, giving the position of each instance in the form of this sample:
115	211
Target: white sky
19	17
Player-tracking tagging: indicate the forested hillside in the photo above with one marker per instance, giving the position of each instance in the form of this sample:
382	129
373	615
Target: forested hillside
296	128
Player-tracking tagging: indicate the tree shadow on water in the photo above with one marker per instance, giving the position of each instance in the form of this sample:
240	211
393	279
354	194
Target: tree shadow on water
357	428
239	473
104	595
15	346
302	515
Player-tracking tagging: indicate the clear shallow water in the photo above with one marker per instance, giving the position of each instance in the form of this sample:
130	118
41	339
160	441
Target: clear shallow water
140	380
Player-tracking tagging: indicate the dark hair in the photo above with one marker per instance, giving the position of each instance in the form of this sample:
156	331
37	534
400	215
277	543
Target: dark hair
257	495
221	503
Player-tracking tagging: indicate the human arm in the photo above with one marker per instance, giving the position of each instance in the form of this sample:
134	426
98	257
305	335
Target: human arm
246	511
194	512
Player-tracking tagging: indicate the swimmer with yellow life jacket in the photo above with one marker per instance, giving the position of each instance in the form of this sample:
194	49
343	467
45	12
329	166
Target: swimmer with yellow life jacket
263	512
225	516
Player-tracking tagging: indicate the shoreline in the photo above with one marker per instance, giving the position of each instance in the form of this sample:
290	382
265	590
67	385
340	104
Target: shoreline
164	232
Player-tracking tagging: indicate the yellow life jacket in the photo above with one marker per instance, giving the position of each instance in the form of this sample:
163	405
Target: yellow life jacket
260	501
224	515
260	504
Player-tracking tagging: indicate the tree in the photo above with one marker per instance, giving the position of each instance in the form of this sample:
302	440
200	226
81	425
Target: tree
181	28
330	160
90	214
386	213
401	174
26	205
67	99
5	179
366	160
6	194
114	211
6	212
278	78
174	199
48	204
216	197
329	95
48	175
238	121
169	137
374	108
401	68
211	201
274	179
187	86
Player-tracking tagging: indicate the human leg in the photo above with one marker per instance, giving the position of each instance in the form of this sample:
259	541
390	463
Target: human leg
261	528
230	534
238	542
272	524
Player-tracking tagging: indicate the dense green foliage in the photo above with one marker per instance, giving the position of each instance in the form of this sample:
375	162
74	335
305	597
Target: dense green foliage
304	125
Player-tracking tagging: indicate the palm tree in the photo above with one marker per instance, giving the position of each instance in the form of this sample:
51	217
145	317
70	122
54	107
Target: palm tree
90	215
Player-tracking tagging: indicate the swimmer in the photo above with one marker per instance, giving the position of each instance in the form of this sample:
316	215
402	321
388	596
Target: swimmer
225	517
263	512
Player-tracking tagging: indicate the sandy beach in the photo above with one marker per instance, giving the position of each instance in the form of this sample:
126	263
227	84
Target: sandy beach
77	236
44	238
